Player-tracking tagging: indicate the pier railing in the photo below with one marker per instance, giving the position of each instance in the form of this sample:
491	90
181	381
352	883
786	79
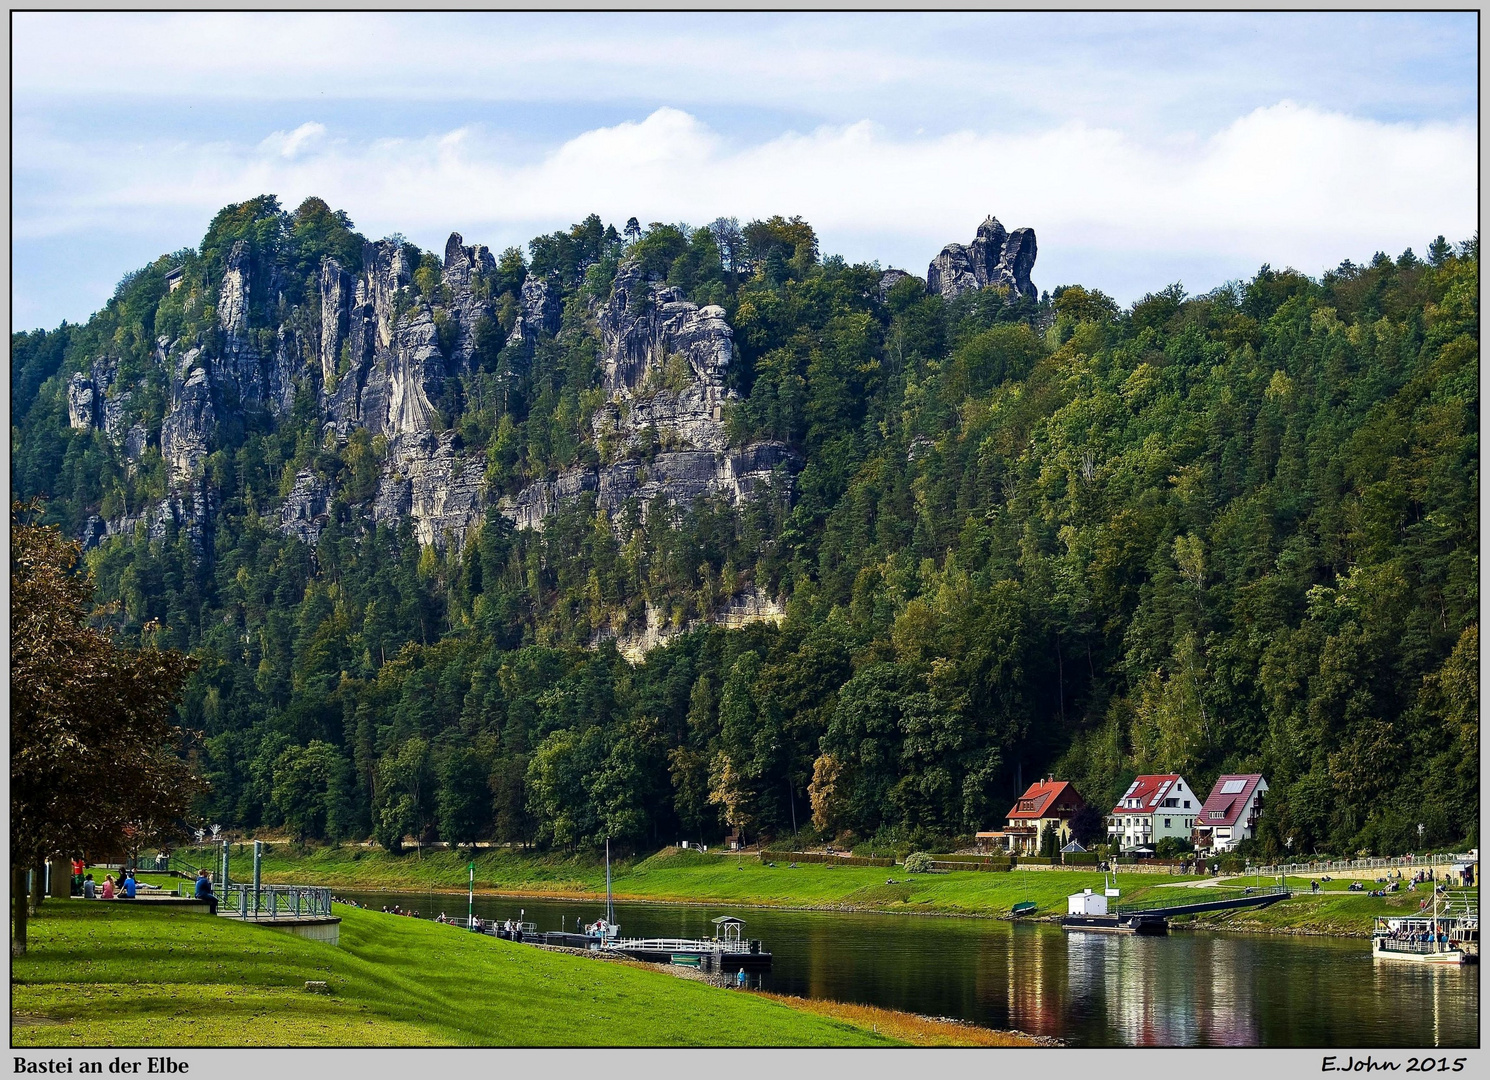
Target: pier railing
668	944
270	901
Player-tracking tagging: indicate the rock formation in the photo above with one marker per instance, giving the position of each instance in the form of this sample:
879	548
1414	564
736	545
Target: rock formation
377	355
995	257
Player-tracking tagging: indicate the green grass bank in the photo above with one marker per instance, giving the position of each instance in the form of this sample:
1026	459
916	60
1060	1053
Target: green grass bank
696	877
122	975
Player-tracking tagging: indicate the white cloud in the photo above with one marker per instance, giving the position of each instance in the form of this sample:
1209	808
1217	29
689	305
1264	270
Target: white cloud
1285	184
292	144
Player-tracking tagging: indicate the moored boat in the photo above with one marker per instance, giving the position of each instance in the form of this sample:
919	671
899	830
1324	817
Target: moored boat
1449	934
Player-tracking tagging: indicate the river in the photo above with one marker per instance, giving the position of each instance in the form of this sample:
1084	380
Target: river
1191	988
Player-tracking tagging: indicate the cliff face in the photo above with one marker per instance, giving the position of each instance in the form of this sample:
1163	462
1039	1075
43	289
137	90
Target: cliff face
374	354
375	359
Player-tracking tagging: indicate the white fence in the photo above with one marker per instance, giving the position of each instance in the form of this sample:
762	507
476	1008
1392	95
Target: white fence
1403	862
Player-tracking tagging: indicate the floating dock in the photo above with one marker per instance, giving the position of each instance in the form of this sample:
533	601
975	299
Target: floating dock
1153	917
729	952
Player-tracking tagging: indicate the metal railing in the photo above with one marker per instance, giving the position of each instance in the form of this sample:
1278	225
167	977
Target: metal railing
270	901
1403	862
1169	902
672	944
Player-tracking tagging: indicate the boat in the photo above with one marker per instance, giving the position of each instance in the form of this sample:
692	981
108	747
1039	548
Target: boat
1448	934
727	951
1024	907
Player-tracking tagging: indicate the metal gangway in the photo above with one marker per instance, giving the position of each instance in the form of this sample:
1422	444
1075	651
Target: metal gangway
1252	896
268	902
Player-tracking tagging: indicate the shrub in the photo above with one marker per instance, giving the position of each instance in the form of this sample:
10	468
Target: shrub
917	862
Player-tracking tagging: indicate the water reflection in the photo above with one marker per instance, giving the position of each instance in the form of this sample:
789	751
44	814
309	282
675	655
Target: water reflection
1187	989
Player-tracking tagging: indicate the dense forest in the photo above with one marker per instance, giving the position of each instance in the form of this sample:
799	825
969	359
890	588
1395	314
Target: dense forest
1231	532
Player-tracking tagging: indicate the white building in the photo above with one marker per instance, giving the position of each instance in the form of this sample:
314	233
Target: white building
1153	808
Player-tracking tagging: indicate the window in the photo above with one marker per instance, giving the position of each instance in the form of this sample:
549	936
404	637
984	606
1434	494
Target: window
1218	815
1187	804
1166	823
1171	802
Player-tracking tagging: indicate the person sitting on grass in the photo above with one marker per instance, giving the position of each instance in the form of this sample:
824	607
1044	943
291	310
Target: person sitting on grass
129	885
204	891
108	887
90	890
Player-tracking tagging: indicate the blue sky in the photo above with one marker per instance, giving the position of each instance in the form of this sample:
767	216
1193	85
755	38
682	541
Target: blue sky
1143	149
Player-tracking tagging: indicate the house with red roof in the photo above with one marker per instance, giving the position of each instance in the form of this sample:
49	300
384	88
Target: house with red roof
1047	805
1229	815
1153	808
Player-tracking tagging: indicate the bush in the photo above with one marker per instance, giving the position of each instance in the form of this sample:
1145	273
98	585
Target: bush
918	862
1173	847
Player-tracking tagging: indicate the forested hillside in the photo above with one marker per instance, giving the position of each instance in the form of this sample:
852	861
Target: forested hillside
1011	536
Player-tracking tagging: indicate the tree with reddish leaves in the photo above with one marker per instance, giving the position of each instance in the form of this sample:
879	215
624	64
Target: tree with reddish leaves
92	741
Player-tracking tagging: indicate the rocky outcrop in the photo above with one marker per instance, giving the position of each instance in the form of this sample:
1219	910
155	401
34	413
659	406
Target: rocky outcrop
416	369
750	606
189	509
186	433
888	280
94	401
307	507
82	402
664	362
679	477
463	266
336	309
995	257
377	355
539	313
430	481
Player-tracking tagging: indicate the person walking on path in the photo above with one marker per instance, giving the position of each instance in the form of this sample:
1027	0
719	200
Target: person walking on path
204	891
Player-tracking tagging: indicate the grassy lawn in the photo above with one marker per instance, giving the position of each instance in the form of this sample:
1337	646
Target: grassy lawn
118	975
688	876
693	876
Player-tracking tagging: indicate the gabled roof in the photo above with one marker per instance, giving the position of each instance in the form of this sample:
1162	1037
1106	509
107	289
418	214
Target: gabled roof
1042	797
1228	798
1149	791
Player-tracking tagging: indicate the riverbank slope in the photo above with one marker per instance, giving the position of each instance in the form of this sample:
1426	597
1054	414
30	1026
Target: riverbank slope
119	975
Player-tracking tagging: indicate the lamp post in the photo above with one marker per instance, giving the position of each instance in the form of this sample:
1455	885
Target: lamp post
471	898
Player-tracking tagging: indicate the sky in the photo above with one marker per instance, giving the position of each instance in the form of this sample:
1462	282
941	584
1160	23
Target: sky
1143	149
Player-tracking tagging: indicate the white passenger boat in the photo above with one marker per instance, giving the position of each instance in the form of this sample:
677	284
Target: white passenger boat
1448	934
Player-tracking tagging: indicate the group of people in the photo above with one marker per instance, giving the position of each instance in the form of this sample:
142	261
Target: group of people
112	890
396	910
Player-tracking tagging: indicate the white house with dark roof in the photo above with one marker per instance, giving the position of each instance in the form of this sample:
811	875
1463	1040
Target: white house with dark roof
1229	815
1153	807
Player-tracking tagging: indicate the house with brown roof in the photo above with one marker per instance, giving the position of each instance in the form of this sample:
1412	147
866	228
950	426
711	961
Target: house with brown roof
1047	805
1229	815
1153	807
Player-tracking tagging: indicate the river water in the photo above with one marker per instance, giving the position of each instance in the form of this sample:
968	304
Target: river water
1191	988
